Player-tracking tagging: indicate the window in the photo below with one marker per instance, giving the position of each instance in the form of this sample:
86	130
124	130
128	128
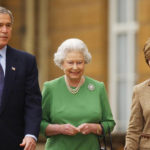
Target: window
122	44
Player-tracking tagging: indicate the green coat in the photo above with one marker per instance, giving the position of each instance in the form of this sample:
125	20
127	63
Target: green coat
89	105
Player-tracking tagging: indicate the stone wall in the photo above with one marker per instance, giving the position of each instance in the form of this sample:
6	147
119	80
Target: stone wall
143	71
84	19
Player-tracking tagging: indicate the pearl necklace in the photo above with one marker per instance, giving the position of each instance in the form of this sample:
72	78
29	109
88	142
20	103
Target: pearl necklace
73	91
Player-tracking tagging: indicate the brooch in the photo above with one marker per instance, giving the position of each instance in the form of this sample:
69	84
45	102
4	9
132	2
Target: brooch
91	87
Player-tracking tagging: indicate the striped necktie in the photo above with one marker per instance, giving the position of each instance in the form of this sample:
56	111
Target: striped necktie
1	81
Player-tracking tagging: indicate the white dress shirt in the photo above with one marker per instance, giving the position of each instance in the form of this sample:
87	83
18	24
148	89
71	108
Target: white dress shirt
3	58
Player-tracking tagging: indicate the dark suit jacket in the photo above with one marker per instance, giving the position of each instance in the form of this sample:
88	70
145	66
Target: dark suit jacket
20	111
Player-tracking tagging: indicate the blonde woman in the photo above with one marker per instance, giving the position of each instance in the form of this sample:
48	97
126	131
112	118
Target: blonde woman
138	133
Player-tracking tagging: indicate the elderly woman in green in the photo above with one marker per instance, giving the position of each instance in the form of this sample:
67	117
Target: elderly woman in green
75	107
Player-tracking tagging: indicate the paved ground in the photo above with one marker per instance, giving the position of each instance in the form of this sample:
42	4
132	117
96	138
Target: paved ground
118	142
40	146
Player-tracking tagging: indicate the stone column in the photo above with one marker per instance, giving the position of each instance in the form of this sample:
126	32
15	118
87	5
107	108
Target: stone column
29	24
43	41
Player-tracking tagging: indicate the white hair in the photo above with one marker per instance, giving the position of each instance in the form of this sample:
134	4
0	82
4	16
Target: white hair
70	45
4	10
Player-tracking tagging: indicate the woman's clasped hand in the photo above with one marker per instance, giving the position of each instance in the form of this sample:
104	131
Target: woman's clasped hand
86	128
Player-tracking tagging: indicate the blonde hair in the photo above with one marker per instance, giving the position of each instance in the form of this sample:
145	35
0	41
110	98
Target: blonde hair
146	50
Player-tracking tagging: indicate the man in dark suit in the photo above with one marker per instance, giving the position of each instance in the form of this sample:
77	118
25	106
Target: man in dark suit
20	98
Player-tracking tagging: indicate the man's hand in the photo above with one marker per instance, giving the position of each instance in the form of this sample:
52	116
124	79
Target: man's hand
28	143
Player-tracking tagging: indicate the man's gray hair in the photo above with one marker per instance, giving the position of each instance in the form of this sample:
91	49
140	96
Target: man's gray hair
3	10
70	45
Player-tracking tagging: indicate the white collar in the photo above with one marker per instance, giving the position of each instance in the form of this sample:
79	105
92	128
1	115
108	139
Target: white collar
3	51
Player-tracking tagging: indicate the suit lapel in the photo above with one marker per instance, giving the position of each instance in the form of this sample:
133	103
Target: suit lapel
9	75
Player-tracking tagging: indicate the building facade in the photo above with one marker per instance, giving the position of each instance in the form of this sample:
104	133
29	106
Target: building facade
114	31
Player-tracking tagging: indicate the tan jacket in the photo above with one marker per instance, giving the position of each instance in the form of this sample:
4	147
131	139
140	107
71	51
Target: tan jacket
138	133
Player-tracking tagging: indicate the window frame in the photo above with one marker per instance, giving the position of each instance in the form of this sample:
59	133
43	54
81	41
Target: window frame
129	28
